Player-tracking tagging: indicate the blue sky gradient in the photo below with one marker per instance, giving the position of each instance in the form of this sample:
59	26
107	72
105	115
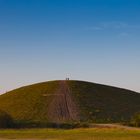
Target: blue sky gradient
92	40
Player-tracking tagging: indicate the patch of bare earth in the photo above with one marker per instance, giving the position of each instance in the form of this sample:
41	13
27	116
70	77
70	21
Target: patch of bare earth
114	126
63	107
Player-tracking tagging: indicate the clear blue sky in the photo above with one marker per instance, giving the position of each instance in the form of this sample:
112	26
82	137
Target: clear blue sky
92	40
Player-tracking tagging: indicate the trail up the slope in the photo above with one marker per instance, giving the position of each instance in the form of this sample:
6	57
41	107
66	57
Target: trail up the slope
63	107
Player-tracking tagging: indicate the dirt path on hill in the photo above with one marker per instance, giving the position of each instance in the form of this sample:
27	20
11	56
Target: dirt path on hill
63	107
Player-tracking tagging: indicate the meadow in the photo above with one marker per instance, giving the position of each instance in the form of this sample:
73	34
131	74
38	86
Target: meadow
71	134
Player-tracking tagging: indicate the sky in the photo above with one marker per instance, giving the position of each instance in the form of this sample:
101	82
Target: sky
89	40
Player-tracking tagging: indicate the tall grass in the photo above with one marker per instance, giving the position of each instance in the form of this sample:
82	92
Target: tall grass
73	134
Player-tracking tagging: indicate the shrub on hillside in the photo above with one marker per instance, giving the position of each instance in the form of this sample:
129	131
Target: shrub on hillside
136	120
6	120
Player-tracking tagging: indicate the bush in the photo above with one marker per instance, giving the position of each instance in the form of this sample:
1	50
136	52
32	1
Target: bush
136	120
74	125
6	120
38	124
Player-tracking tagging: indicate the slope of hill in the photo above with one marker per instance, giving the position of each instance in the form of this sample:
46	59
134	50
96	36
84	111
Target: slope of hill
70	101
105	103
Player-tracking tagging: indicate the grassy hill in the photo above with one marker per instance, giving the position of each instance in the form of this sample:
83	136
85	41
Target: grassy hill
63	101
105	103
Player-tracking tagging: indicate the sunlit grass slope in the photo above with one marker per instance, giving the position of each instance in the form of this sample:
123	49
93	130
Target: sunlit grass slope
29	103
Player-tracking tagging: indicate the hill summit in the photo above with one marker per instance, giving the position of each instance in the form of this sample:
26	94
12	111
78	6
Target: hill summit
70	101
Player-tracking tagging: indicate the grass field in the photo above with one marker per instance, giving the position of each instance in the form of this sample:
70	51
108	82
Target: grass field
73	134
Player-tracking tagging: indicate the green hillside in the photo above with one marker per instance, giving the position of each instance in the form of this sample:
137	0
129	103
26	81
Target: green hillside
63	101
105	103
30	102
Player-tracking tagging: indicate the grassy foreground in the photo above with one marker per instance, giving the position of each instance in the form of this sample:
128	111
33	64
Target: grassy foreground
73	134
